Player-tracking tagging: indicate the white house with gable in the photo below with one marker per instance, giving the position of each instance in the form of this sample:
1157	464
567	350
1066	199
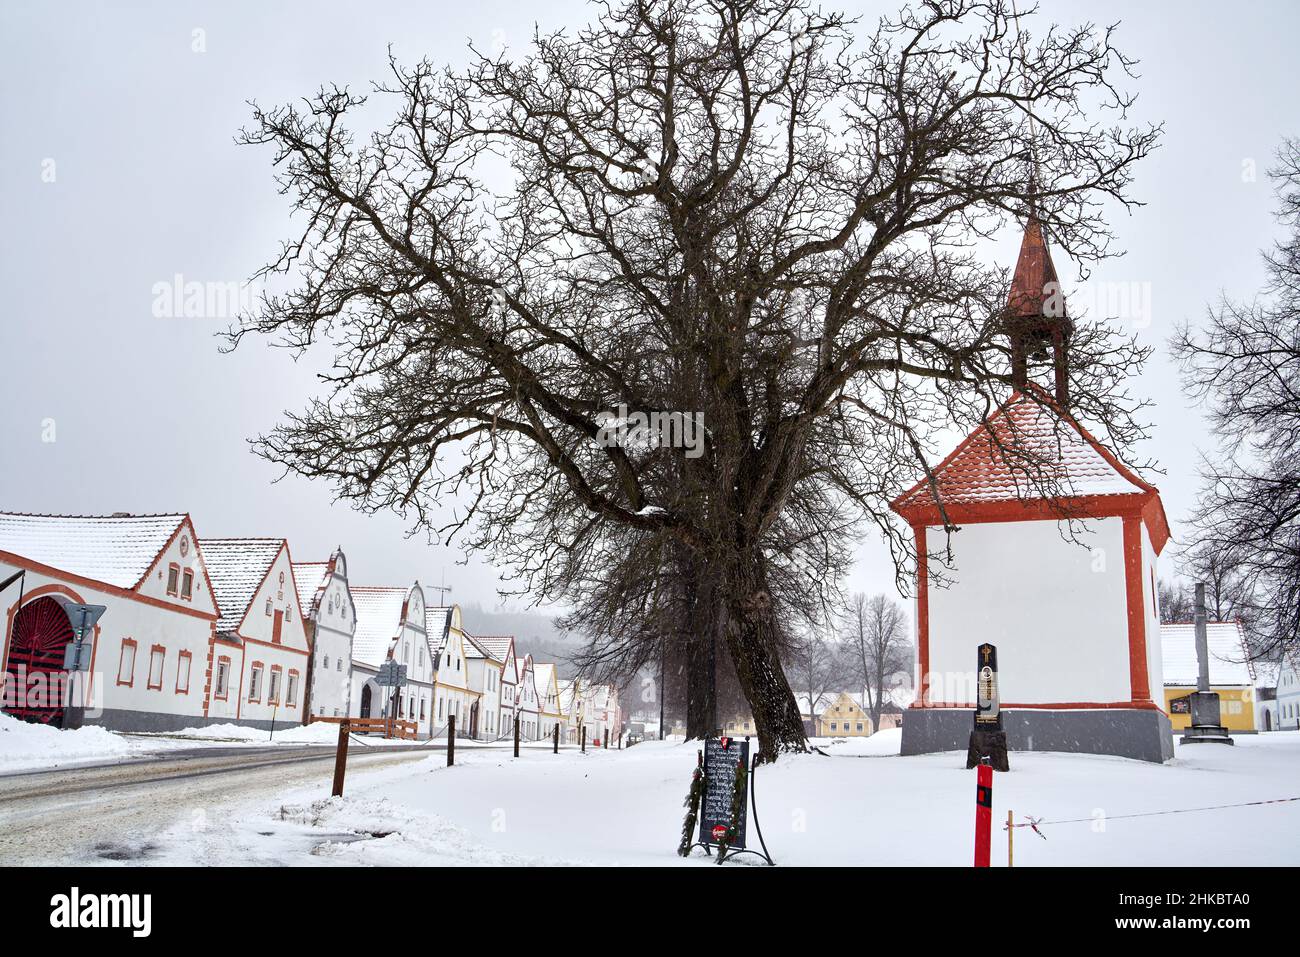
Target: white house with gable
150	650
260	651
391	624
502	649
485	679
331	618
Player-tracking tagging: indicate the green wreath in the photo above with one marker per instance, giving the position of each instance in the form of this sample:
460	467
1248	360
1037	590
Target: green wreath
693	798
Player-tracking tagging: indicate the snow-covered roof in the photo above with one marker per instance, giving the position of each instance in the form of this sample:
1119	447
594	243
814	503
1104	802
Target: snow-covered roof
379	619
114	549
498	646
237	567
437	622
1024	438
1226	640
543	673
309	579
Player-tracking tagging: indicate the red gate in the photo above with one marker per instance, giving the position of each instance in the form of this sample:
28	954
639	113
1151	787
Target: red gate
35	677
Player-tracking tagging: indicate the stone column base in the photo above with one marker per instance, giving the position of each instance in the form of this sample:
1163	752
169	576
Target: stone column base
1141	733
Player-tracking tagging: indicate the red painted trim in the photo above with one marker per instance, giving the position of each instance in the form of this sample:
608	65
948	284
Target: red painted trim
122	656
1140	684
268	644
189	667
18	561
922	612
148	679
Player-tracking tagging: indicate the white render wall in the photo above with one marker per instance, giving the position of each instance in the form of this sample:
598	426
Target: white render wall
1056	611
132	706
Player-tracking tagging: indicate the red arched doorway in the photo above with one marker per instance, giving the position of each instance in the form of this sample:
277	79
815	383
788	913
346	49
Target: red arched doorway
35	679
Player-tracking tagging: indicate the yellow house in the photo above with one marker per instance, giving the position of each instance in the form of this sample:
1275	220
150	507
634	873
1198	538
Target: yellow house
1232	674
843	717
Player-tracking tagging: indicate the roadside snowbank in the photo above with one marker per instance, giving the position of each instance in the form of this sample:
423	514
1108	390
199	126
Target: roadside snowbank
318	733
24	746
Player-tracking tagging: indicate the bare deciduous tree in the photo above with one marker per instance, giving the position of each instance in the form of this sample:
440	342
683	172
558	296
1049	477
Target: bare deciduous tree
724	208
874	635
1245	368
816	666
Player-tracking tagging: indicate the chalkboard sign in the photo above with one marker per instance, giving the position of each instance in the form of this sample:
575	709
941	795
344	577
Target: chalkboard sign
720	767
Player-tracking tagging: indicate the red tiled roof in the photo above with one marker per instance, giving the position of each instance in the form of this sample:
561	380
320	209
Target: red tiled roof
1035	290
1020	450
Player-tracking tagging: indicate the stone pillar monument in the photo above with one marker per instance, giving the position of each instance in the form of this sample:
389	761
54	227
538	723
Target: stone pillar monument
1205	703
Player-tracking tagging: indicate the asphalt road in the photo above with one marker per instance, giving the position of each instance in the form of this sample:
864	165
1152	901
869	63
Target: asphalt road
113	812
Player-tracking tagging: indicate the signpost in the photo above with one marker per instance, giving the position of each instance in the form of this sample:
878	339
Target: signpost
724	760
77	654
988	739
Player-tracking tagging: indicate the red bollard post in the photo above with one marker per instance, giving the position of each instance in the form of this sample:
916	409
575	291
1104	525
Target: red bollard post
983	812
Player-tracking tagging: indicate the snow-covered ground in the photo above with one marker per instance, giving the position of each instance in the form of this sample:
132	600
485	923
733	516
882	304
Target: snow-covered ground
850	807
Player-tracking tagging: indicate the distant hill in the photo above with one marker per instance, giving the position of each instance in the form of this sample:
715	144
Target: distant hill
535	633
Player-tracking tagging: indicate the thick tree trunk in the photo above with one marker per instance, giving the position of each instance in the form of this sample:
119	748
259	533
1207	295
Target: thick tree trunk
700	629
753	639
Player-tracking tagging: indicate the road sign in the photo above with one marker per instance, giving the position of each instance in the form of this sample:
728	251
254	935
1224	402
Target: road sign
76	656
82	618
391	674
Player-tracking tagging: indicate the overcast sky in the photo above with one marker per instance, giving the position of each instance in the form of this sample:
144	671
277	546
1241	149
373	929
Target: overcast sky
118	171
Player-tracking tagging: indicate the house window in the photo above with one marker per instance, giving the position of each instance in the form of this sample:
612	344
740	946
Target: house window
187	584
338	665
223	678
288	612
255	682
291	693
173	578
268	608
327	663
422	709
156	656
126	664
859	725
440	709
832	725
183	672
274	696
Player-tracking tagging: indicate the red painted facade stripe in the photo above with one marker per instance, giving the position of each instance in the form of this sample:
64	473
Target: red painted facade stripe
923	612
1140	684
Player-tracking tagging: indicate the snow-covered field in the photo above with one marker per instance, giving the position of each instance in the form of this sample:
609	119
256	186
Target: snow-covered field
855	806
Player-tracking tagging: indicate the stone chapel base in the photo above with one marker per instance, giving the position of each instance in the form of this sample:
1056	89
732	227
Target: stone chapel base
1141	733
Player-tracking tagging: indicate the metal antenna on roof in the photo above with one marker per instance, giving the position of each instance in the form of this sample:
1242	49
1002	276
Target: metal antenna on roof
442	590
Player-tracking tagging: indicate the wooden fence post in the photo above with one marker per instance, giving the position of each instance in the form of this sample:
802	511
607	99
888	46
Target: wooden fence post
555	743
451	739
516	734
584	739
341	759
